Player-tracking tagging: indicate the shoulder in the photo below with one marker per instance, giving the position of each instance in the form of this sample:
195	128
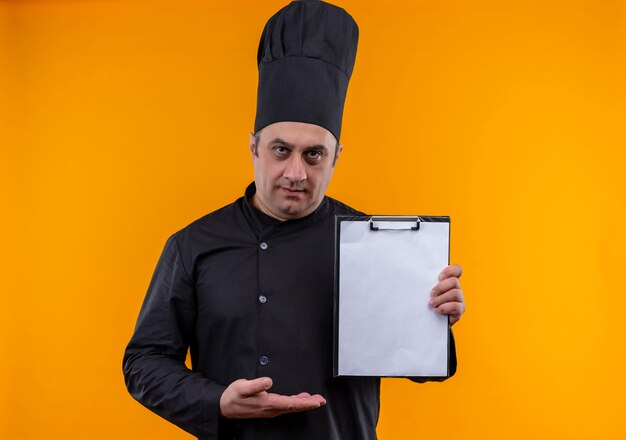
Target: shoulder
219	216
340	208
213	227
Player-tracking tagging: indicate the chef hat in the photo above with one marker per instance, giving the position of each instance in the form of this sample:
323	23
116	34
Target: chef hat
306	56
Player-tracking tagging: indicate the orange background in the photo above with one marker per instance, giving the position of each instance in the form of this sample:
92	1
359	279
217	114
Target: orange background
123	121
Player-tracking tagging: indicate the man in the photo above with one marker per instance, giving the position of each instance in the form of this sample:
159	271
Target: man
248	289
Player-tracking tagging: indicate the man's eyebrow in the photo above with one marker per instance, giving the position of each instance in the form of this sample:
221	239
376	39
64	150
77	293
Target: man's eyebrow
317	147
280	141
287	144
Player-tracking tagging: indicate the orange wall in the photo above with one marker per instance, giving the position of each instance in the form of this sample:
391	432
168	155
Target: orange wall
123	121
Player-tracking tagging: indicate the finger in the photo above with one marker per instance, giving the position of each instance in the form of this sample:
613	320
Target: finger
454	309
320	398
454	270
445	285
278	404
454	295
300	395
248	388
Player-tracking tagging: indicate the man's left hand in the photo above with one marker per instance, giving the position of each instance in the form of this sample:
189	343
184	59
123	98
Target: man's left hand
447	296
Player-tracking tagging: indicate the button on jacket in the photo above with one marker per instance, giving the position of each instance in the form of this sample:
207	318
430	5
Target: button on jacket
249	296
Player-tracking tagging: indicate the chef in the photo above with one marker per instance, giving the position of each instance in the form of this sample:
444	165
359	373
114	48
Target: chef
248	288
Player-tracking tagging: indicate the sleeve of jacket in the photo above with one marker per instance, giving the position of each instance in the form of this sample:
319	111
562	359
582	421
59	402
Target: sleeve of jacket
154	360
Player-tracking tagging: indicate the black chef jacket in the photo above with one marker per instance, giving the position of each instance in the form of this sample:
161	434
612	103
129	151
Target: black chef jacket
249	296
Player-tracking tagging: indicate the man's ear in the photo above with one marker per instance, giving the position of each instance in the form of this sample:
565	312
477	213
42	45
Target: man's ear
252	145
337	153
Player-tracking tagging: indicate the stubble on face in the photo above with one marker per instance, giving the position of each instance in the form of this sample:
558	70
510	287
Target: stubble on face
293	165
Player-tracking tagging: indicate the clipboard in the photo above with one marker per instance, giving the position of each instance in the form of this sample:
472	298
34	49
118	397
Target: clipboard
385	268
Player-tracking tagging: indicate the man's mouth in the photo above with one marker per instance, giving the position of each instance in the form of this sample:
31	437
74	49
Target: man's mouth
291	191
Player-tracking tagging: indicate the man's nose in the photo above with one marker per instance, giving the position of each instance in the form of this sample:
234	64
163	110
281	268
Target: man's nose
295	169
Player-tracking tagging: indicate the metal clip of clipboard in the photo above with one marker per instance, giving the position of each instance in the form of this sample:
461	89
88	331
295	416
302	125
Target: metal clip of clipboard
382	223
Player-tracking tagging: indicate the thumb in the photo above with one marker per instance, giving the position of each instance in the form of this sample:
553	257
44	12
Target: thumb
255	386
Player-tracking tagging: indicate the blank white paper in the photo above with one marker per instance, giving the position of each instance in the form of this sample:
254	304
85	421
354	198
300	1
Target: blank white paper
385	325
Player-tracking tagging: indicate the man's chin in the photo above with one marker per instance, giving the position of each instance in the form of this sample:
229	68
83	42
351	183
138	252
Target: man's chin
295	210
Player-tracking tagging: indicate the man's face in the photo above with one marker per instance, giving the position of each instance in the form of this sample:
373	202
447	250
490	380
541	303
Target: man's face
293	164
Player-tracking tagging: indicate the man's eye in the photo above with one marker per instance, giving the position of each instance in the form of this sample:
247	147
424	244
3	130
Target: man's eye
315	155
280	150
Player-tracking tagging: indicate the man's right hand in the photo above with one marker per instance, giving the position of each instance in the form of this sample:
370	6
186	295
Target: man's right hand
245	399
